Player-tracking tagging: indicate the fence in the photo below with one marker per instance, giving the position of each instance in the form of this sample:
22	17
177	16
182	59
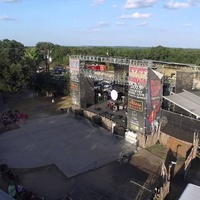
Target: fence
179	126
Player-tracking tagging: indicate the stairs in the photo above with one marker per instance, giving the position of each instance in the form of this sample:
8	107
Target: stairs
131	137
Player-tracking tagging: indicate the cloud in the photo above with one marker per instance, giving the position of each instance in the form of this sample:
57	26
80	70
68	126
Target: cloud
139	3
136	15
6	18
96	30
114	5
120	23
98	2
11	1
143	24
176	5
193	2
104	24
187	25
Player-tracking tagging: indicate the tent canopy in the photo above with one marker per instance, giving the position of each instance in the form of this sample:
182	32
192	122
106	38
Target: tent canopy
187	101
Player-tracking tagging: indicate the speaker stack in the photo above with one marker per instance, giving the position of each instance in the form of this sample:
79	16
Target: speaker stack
118	130
97	120
79	112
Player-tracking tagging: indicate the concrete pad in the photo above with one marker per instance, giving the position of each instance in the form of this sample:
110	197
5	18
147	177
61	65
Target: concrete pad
73	145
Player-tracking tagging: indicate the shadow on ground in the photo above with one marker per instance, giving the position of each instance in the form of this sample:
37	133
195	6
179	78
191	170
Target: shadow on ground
115	181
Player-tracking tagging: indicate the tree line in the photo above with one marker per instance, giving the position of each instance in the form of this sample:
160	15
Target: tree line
19	63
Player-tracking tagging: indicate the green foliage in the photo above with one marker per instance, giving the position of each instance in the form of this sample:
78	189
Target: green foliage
45	82
60	54
13	73
110	66
17	63
32	58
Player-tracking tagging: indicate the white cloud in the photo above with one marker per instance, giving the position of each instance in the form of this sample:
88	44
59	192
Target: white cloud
6	18
91	30
143	24
104	24
114	5
98	2
187	25
139	3
120	23
11	1
136	15
176	5
193	2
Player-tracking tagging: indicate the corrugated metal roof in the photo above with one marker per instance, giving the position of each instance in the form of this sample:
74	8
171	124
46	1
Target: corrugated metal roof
191	192
186	100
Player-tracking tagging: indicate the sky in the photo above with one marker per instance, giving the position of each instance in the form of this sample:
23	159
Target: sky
142	23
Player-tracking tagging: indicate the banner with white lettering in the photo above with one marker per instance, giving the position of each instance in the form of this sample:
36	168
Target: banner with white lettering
74	66
137	98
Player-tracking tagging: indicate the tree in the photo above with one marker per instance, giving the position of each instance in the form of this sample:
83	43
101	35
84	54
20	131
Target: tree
159	53
32	58
13	74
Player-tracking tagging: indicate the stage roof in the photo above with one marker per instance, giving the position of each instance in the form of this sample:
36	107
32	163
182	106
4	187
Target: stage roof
187	101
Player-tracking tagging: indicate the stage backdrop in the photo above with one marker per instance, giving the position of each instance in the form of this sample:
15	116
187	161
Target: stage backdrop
74	66
154	101
137	98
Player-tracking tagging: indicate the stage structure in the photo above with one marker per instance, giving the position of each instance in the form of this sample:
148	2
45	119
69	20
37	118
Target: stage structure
144	89
145	99
74	66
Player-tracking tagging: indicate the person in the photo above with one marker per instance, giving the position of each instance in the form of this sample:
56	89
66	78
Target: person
12	190
20	188
12	176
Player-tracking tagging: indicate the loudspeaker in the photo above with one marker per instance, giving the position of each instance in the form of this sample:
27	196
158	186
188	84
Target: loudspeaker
118	130
97	120
79	112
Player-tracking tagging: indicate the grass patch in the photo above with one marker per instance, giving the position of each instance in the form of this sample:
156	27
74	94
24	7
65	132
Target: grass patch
37	107
158	150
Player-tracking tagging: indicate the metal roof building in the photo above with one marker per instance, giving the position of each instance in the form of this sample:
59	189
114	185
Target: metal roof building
191	192
187	101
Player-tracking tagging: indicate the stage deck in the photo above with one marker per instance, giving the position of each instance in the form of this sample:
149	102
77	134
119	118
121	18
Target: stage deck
102	109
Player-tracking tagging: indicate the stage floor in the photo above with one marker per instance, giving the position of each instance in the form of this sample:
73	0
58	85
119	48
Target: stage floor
120	116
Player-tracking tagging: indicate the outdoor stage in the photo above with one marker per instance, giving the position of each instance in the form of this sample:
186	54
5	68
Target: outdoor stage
116	114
